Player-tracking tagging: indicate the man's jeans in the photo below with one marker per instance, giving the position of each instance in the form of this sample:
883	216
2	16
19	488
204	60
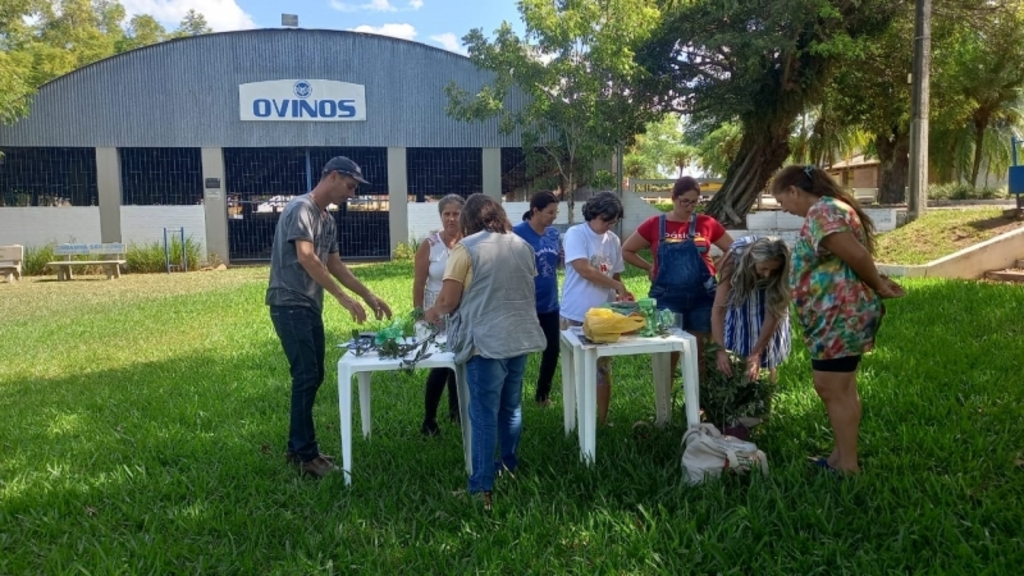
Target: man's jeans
301	331
495	410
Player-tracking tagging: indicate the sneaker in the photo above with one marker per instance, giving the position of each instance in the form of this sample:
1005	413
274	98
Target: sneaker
430	428
318	467
545	403
485	497
293	458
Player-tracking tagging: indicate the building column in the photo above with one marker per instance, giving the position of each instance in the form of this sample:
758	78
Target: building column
492	172
108	184
398	197
215	204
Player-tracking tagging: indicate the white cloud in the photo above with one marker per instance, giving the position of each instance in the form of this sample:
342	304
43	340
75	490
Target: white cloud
221	15
403	31
450	42
373	6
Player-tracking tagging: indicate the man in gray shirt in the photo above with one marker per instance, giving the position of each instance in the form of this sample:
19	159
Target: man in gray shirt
303	260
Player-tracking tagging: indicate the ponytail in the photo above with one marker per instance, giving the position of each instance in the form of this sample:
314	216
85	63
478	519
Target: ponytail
817	182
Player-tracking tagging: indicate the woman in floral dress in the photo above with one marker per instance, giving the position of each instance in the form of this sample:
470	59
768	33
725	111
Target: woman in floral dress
837	292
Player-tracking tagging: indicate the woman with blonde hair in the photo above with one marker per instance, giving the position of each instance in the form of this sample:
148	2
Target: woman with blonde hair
837	292
751	310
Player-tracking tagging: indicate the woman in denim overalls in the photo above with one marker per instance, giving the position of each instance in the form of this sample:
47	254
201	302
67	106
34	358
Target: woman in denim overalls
682	275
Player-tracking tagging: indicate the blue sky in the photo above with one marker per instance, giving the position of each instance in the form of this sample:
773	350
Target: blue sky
440	23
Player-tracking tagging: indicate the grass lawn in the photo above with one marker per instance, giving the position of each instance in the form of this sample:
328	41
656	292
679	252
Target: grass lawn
941	233
144	425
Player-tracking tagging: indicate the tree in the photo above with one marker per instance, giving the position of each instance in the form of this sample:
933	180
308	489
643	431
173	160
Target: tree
989	65
716	150
760	63
71	34
660	146
193	24
15	63
143	30
571	75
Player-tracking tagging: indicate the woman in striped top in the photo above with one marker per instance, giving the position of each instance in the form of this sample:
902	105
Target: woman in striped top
751	310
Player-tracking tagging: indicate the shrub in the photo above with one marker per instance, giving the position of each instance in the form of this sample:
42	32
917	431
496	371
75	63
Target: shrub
963	191
150	258
725	399
36	258
407	250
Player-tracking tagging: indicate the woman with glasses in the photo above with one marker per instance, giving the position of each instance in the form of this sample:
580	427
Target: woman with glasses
682	272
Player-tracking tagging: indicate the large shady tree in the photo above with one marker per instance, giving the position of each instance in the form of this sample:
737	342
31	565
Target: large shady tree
760	63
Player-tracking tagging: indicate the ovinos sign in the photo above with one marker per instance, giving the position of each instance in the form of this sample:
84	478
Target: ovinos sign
302	101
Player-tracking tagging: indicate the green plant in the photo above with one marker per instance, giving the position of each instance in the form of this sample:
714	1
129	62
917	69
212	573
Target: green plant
36	258
726	399
150	257
603	180
406	250
964	191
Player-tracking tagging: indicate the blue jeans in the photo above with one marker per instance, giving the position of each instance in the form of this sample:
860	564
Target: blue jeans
496	413
301	330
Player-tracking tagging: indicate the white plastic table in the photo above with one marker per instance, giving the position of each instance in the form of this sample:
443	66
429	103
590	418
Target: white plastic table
579	379
363	367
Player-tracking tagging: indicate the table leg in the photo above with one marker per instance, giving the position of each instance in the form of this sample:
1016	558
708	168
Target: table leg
589	421
568	388
345	408
462	384
364	402
662	388
579	358
691	382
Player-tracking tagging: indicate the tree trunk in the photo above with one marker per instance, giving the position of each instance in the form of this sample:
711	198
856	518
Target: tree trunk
762	151
894	166
980	125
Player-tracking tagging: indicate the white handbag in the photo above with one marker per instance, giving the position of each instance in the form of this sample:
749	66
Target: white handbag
708	452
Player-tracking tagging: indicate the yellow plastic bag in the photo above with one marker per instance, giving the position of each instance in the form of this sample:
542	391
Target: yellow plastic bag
604	326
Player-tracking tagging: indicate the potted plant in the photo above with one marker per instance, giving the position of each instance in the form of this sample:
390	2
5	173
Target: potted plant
734	404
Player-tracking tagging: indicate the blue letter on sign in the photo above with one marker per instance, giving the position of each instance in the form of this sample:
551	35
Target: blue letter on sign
346	108
261	108
327	108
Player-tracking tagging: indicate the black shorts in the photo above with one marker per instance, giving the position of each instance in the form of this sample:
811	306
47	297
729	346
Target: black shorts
844	364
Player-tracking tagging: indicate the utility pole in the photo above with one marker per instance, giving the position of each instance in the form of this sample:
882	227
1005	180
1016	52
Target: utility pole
917	201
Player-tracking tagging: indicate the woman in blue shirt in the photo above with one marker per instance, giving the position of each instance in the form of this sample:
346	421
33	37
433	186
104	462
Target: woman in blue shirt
537	231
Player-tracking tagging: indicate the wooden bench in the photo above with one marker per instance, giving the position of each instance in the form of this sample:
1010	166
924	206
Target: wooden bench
112	253
10	262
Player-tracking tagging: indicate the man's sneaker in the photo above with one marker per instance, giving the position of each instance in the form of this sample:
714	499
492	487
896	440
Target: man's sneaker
293	458
318	467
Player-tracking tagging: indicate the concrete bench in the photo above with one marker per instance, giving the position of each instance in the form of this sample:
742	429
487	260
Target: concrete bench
11	258
112	258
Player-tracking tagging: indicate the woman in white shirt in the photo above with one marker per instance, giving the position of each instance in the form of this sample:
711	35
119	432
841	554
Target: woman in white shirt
593	263
431	259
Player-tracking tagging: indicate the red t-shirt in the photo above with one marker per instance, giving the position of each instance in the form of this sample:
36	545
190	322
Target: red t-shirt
708	232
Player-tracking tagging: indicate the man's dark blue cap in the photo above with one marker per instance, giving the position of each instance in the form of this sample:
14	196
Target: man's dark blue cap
343	165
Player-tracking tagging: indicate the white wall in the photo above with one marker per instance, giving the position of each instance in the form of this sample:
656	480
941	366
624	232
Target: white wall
145	224
884	218
36	226
424	218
